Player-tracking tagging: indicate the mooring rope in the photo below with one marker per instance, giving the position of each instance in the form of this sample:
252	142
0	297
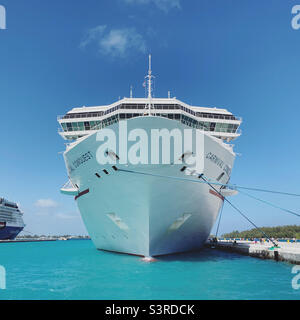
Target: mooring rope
238	210
211	183
270	204
28	232
229	186
220	219
263	190
267	202
237	187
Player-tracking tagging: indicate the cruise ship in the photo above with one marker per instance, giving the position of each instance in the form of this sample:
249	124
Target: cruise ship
11	220
137	200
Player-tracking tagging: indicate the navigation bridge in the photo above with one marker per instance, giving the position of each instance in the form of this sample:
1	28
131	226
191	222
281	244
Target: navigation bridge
219	123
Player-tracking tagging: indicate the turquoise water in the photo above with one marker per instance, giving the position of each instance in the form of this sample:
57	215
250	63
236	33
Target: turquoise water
76	270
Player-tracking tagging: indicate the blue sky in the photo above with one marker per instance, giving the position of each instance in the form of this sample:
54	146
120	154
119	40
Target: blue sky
241	55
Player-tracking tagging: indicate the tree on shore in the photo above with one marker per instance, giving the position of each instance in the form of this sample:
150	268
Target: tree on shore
273	232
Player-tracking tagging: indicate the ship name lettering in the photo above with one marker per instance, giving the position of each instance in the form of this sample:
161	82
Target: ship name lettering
82	159
220	163
215	159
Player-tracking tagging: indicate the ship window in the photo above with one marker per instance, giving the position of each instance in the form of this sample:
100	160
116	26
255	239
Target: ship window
87	125
80	126
115	168
105	171
98	175
10	206
73	126
69	126
218	127
212	126
183	169
220	176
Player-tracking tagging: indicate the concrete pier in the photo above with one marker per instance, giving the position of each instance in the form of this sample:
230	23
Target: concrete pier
289	252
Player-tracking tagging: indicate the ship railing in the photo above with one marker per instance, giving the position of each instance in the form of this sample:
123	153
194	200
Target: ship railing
94	115
101	126
65	117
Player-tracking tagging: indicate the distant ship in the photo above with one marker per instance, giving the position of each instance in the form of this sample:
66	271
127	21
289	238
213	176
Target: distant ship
148	209
11	220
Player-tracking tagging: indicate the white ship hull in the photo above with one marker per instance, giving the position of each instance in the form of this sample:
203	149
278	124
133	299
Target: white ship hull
148	210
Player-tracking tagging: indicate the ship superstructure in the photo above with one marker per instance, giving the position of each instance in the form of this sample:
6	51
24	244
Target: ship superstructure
83	121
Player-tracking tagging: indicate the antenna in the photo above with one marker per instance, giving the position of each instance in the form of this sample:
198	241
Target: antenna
169	94
131	92
149	78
